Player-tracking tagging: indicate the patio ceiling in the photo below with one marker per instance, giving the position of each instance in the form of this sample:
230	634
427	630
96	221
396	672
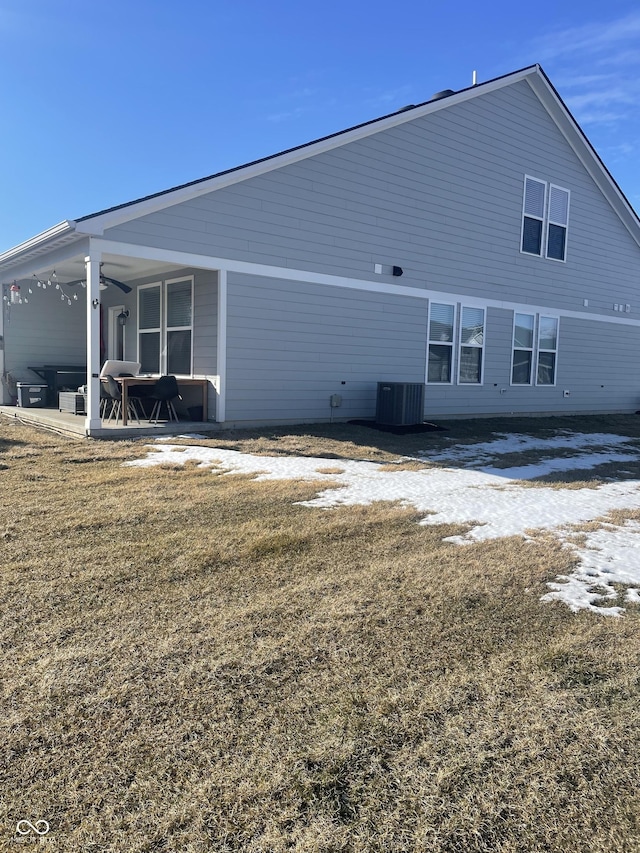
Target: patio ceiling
115	266
119	267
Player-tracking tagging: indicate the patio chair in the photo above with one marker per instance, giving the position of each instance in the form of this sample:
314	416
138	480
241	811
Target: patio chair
164	391
115	393
106	401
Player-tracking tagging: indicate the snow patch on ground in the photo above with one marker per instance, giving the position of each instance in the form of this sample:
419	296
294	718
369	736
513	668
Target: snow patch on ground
489	500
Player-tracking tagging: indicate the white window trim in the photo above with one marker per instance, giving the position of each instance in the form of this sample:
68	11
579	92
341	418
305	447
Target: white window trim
166	329
546	220
451	343
482	346
555	351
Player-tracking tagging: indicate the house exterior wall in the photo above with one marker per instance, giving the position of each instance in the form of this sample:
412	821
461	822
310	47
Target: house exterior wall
45	330
292	345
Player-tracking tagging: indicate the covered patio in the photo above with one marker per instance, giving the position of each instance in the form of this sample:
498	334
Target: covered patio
73	299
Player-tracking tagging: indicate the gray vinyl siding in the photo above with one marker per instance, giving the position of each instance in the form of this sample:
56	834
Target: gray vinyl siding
46	330
440	196
291	345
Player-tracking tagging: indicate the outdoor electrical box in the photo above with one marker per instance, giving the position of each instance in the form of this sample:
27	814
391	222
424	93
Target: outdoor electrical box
400	403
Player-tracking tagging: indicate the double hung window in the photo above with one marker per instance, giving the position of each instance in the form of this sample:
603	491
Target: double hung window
165	326
545	219
441	328
455	344
471	345
535	348
547	350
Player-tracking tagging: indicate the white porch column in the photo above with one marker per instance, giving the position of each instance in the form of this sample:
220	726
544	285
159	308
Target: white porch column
221	402
92	262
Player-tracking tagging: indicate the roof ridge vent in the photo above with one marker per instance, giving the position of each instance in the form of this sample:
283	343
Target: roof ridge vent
408	107
443	94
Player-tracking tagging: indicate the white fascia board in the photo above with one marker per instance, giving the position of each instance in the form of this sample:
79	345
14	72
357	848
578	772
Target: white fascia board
37	243
186	259
46	260
96	225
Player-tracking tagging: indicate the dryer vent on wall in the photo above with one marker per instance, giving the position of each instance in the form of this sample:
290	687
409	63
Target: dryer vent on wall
400	403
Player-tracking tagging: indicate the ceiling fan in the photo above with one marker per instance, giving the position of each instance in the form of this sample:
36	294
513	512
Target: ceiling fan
105	281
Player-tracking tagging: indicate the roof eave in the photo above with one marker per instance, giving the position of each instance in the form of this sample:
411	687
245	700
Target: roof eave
60	234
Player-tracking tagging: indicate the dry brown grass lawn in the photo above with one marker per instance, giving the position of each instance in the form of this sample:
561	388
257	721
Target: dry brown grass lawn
194	662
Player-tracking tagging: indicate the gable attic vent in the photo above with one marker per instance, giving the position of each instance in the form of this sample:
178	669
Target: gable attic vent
443	94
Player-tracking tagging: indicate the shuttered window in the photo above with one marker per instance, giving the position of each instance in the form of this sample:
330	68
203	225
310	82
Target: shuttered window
545	219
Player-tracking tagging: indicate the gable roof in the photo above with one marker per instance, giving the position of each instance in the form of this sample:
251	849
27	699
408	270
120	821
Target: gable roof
94	224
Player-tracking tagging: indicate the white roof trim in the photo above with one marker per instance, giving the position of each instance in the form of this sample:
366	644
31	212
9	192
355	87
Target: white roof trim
52	238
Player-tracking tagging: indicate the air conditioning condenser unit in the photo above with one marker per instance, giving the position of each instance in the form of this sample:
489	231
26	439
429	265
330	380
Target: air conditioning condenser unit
400	403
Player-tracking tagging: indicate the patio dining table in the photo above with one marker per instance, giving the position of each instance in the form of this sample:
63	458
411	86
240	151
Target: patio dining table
126	382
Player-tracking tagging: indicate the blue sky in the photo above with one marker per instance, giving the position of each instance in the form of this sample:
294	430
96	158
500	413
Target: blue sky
102	103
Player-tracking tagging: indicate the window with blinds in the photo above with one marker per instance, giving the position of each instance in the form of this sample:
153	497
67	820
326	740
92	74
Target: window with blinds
558	222
149	327
535	194
545	219
440	345
178	342
165	327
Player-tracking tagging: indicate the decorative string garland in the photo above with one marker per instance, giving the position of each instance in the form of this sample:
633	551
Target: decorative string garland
15	296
